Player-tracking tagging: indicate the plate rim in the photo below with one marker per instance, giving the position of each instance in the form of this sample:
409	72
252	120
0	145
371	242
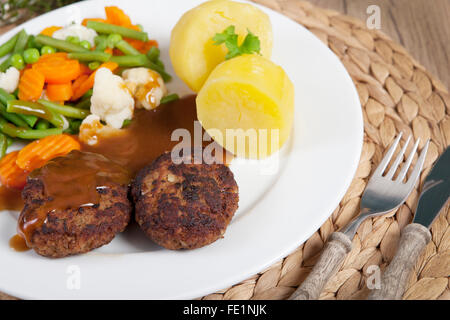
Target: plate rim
338	197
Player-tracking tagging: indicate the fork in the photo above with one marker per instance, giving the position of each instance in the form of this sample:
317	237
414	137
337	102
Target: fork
382	194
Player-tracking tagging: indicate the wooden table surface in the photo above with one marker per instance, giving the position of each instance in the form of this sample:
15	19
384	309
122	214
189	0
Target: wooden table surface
421	26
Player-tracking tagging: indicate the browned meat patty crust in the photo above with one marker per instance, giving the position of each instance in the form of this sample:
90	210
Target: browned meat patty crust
184	206
76	230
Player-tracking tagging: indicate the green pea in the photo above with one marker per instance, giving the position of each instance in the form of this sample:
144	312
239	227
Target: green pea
94	65
47	50
73	39
113	39
17	61
85	44
31	55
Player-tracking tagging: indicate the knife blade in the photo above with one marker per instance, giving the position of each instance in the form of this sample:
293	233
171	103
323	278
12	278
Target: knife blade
435	194
435	191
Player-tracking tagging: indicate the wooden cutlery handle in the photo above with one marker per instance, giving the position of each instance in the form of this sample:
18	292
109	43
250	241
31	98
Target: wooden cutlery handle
334	253
393	282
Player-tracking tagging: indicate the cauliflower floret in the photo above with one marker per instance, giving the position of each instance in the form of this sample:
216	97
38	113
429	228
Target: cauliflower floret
9	80
146	85
111	101
76	30
91	129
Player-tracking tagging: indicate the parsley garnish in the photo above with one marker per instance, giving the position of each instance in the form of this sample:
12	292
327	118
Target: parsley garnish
250	44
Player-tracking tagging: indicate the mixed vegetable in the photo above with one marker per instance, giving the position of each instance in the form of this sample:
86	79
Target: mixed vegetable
48	86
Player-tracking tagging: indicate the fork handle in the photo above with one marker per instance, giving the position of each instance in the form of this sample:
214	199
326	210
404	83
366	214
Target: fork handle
393	282
334	253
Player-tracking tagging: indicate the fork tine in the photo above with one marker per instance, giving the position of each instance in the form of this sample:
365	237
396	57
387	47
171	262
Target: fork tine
418	167
406	165
397	161
385	161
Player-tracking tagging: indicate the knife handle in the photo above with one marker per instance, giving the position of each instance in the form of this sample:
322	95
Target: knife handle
393	282
334	253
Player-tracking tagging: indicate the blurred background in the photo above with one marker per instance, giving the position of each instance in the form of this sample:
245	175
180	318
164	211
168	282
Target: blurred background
421	26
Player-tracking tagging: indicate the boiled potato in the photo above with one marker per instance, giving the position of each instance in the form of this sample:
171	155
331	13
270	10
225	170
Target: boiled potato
248	92
192	51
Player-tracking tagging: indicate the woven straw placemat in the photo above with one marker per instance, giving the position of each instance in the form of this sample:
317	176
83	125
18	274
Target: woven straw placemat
397	94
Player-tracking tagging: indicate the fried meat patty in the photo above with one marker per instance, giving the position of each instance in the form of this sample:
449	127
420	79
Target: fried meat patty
75	230
184	206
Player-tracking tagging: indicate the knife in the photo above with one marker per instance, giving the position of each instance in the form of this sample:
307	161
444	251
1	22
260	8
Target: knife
415	236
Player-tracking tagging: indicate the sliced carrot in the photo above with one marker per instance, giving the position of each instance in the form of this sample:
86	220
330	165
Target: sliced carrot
11	175
89	82
84	69
142	46
58	70
50	30
31	84
85	21
78	81
116	16
109	50
59	92
38	152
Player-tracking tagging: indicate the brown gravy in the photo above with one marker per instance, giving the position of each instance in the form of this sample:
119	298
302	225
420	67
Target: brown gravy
18	243
10	199
72	181
149	134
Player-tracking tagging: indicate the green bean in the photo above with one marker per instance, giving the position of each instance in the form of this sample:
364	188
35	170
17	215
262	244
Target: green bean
130	61
42	124
126	123
90	56
12	117
21	42
36	109
3	145
166	77
38	134
88	94
107	28
75	126
32	43
84	104
153	54
59	44
8	46
9	140
5	64
141	61
100	43
67	111
29	119
160	64
8	128
127	48
170	98
5	97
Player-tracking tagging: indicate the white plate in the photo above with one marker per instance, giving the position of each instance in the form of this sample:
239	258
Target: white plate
277	211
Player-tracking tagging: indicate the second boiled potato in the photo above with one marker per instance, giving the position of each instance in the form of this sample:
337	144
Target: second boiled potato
247	106
192	51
